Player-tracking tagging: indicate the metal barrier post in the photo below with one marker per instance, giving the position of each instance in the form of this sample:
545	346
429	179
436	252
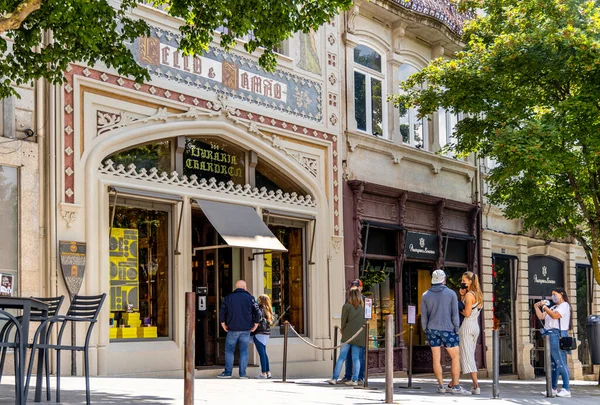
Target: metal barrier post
548	366
496	364
366	359
190	347
389	359
286	325
335	340
410	355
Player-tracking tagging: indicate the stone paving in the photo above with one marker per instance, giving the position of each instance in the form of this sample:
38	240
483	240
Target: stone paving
154	391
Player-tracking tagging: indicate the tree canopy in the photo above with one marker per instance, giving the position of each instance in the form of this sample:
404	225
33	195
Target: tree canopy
528	83
98	30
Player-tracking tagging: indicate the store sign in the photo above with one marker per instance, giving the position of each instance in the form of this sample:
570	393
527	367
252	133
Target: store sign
368	308
72	263
207	160
421	246
545	274
227	73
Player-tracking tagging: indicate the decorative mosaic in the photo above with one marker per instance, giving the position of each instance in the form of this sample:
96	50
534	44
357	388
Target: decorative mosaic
444	11
153	176
230	74
189	100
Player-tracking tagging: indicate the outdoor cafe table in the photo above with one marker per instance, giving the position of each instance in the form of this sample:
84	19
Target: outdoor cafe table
26	305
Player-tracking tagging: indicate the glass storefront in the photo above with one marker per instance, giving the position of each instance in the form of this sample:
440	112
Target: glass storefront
9	223
140	270
379	281
284	280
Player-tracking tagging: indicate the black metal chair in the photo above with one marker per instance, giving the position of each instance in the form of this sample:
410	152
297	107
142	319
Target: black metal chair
54	304
82	309
6	342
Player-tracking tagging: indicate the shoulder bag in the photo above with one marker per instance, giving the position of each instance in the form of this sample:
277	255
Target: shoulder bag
566	343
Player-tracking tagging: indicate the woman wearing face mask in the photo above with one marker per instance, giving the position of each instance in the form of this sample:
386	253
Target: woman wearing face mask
469	330
557	322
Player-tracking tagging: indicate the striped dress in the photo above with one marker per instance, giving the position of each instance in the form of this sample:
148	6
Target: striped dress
468	333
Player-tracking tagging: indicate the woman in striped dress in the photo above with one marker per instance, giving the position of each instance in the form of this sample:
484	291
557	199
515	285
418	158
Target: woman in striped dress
469	330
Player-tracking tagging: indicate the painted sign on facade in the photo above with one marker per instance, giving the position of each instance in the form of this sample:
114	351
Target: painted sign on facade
124	279
230	74
72	263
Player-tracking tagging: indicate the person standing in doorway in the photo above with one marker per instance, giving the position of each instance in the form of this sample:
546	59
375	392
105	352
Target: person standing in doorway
262	333
469	328
239	316
557	322
440	321
361	374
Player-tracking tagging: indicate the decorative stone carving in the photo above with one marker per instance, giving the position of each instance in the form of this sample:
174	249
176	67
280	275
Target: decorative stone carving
309	163
358	188
153	176
336	243
439	215
68	216
352	14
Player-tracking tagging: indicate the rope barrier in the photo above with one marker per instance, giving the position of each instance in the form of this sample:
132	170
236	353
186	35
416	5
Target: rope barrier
328	348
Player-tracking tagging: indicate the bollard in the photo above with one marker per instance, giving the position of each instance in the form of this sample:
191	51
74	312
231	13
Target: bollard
286	325
190	346
410	355
389	359
366	380
335	340
496	364
548	366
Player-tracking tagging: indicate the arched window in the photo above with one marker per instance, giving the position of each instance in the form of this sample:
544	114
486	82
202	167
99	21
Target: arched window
447	128
368	91
414	131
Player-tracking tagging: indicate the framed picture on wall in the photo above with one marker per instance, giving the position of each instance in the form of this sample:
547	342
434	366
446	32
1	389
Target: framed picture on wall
6	284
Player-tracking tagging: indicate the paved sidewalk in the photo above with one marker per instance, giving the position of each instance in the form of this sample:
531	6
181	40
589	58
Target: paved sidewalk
154	391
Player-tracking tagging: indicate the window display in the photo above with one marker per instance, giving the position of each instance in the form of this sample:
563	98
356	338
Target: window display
139	272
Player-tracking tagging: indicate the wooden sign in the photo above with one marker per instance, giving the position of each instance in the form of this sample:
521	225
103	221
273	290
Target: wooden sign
72	263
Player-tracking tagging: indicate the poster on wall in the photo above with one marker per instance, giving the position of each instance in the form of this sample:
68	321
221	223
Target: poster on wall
72	264
6	285
124	278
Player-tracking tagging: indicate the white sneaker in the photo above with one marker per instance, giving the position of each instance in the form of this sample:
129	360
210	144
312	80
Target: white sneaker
476	391
554	392
353	383
563	393
458	390
332	381
441	389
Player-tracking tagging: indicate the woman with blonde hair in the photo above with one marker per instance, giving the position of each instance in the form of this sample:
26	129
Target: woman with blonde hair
353	319
262	334
469	330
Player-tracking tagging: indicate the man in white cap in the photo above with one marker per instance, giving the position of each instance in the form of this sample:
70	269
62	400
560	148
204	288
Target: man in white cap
440	321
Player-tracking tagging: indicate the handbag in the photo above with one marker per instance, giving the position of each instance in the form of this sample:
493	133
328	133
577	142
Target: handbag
566	343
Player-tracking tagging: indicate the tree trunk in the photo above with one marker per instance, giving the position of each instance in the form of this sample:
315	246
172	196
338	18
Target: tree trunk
12	21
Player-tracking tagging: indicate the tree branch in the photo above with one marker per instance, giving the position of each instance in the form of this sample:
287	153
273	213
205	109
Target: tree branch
12	21
578	197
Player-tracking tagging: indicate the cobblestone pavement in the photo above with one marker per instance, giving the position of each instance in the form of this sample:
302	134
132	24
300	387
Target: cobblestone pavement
155	391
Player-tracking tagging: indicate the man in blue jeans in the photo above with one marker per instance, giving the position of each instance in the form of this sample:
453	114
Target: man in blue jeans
239	316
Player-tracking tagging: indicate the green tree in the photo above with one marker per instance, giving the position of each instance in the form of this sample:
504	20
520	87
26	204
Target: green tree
528	81
95	30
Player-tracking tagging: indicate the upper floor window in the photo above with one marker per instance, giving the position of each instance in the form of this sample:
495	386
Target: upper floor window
447	128
368	90
414	131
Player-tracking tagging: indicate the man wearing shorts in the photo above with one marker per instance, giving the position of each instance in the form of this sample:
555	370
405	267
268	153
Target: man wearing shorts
440	321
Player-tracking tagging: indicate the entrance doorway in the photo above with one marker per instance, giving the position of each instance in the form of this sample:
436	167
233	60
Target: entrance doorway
216	269
504	309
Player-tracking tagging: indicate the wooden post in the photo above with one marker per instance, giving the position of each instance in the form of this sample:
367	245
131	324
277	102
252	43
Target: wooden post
190	347
286	325
389	359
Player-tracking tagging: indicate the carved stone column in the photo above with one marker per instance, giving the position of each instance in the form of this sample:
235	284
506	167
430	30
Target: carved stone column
357	188
439	216
474	232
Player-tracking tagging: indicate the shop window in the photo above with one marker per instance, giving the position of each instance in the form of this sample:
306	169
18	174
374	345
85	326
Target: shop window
212	157
284	280
272	179
416	279
414	131
9	223
584	282
140	270
368	91
455	251
379	281
380	242
148	156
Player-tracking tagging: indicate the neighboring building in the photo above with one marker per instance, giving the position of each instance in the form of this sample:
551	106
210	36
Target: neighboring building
22	165
410	207
133	181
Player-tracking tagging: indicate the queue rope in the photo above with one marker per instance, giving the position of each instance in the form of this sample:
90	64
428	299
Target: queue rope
328	348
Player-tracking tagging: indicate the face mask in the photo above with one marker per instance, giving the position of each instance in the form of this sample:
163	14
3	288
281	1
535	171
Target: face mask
464	286
555	298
